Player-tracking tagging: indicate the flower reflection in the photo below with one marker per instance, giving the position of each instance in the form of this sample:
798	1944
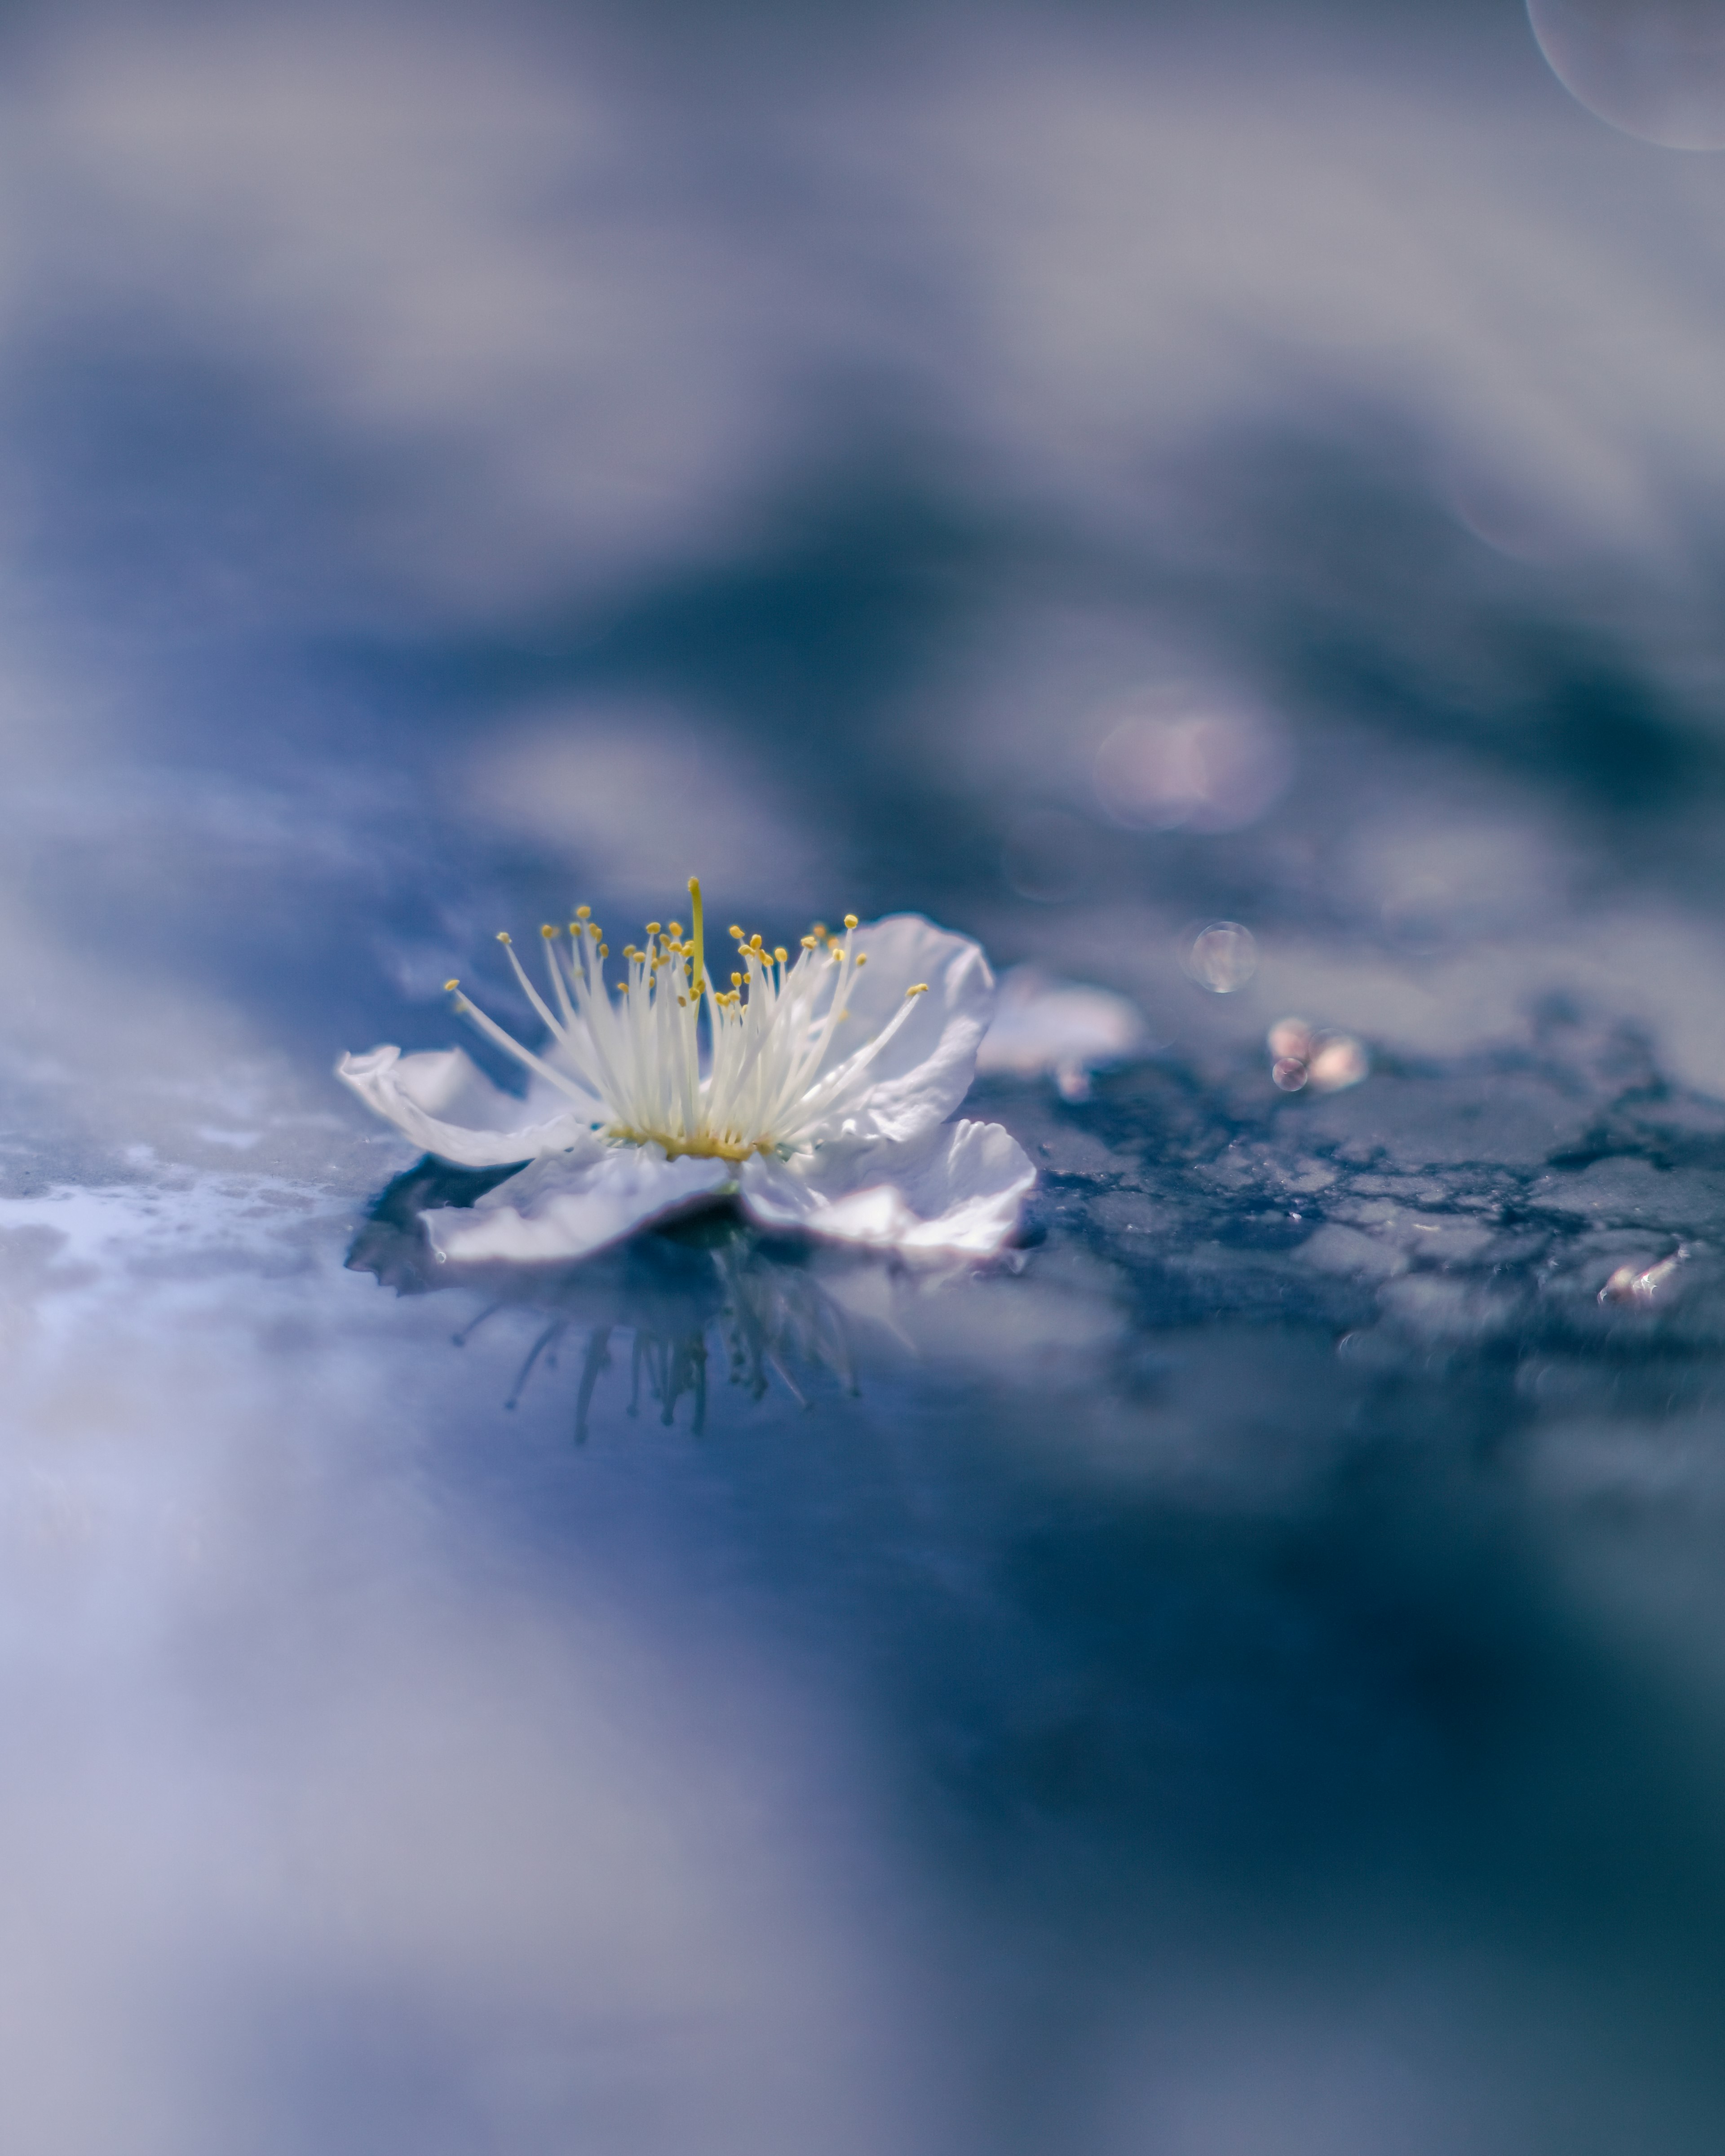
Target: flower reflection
699	1293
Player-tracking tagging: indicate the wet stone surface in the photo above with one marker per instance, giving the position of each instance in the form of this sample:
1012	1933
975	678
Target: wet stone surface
1224	512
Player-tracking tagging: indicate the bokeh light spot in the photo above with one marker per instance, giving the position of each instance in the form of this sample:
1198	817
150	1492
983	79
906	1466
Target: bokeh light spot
1179	761
1222	957
1654	67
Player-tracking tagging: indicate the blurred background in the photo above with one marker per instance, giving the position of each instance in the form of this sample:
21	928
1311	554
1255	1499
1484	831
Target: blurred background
1221	502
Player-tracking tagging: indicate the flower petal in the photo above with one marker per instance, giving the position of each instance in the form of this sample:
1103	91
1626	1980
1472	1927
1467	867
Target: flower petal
925	1070
443	1101
567	1205
959	1188
1043	1024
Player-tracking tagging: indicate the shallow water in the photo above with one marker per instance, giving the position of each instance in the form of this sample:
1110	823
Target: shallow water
1244	1672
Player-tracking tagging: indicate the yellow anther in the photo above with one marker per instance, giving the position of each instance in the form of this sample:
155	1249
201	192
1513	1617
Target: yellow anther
547	932
604	950
921	989
623	987
583	913
503	935
780	953
862	960
652	927
735	930
820	931
850	920
811	942
755	943
450	985
676	932
700	936
736	980
574	927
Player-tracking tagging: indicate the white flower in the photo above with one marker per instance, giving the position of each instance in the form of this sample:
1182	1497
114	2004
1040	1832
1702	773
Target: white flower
815	1092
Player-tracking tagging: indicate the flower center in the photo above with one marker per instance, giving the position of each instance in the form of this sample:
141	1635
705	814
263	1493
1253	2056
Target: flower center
776	1065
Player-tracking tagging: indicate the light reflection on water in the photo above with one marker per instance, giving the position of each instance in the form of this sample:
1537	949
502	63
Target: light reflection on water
1242	1675
707	1291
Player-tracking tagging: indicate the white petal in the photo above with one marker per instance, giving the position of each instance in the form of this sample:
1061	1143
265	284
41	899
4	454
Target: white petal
443	1101
1043	1024
959	1188
925	1070
568	1204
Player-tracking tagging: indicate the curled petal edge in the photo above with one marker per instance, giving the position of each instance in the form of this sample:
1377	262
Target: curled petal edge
568	1205
444	1102
961	1190
927	1072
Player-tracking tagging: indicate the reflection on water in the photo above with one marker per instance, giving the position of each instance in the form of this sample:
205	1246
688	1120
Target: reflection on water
767	1315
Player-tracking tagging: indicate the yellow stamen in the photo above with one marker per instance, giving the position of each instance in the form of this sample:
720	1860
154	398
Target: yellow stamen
780	953
547	932
700	940
850	920
652	927
503	935
583	913
695	1148
921	989
735	930
451	985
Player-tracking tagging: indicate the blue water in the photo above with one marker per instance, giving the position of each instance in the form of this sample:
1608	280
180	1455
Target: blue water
1243	1673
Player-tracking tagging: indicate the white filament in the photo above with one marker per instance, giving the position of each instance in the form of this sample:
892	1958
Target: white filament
633	1056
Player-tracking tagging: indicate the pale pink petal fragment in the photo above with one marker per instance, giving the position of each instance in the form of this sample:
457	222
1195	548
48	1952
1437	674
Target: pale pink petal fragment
1061	1028
443	1101
961	1188
567	1205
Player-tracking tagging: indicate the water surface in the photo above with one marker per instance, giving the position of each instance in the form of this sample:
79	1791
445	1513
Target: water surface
1243	1673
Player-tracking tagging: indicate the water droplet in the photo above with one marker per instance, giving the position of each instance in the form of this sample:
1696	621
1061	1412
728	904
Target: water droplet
1222	957
1654	67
